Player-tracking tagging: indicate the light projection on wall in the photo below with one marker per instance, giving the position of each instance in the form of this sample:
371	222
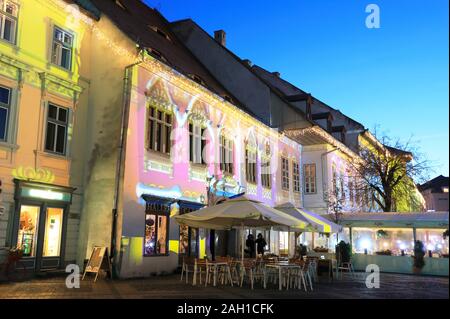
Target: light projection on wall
36	175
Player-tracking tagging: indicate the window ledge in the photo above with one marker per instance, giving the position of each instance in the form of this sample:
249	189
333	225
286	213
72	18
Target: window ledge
53	155
12	147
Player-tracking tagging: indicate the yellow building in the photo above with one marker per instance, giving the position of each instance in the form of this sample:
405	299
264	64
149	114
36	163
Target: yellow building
41	93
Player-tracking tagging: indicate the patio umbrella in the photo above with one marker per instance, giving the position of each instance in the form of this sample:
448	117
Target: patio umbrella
241	212
317	223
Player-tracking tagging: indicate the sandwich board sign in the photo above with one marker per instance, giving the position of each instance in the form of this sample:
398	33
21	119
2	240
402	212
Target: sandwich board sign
99	260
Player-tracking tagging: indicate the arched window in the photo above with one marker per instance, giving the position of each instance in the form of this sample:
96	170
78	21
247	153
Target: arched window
250	159
226	153
265	167
159	129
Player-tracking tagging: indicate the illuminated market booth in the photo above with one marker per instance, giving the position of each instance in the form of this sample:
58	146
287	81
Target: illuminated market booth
387	239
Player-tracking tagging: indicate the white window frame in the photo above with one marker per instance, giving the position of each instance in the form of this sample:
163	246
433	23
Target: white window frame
56	56
250	162
285	182
296	176
226	154
159	128
7	107
57	124
310	179
197	141
266	178
13	18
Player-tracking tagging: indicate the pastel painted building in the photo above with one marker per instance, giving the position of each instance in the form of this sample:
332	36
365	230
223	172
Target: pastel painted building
42	86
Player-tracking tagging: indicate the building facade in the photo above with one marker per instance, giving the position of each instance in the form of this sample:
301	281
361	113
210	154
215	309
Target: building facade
435	193
41	90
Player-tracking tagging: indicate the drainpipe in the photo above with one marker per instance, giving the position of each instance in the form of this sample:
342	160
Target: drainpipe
120	160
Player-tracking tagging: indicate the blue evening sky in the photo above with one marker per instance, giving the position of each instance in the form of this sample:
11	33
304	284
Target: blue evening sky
395	77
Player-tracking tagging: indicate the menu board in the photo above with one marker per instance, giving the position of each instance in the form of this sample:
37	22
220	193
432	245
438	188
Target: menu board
99	260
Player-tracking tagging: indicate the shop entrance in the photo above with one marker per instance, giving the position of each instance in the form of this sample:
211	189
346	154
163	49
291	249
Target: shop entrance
40	235
39	224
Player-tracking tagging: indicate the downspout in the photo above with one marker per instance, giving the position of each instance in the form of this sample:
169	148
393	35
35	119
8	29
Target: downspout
120	161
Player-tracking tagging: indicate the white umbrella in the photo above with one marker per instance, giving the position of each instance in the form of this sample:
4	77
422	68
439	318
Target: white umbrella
241	212
316	222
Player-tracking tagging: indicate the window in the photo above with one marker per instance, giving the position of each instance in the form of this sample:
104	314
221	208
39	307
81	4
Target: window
8	20
265	168
62	48
5	103
250	162
296	176
197	143
342	182
56	134
310	178
226	154
156	230
284	173
159	130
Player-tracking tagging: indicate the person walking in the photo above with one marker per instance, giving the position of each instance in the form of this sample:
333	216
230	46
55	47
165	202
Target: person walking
260	244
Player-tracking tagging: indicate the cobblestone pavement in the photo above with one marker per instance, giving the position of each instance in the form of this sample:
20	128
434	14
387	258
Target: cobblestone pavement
391	286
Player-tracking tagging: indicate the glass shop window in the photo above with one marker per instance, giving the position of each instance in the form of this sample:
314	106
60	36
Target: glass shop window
434	241
8	20
156	230
56	133
28	230
62	48
5	109
159	130
53	228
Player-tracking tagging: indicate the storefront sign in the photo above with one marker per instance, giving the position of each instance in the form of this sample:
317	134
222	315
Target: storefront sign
45	194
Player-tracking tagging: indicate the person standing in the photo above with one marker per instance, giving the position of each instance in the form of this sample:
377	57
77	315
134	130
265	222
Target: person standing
260	244
250	243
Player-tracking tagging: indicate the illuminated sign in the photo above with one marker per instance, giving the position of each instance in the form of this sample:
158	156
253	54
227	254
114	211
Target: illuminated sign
45	194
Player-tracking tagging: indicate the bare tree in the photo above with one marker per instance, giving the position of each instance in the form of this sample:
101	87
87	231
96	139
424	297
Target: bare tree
389	169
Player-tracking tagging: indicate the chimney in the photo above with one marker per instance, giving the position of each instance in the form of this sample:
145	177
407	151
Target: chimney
248	62
221	37
277	74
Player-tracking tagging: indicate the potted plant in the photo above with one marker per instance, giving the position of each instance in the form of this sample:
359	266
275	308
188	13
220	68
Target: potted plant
382	234
445	234
343	252
419	254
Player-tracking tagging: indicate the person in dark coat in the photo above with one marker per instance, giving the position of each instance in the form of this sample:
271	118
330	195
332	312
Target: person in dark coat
260	244
250	243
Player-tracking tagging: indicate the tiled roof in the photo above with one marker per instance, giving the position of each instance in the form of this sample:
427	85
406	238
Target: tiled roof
148	28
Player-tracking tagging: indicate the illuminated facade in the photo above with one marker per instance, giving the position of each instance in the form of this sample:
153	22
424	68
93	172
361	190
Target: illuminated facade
40	95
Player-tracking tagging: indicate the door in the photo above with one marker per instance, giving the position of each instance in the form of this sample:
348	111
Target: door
40	234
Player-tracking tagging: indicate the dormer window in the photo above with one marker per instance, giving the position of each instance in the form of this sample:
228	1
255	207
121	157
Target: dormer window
120	4
197	79
156	54
160	32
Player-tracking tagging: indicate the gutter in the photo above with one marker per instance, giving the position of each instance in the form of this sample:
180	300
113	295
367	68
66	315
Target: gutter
120	161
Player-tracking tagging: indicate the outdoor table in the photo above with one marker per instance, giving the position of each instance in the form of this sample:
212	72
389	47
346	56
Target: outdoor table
280	266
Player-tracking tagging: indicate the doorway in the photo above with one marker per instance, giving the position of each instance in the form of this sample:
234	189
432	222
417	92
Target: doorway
40	235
